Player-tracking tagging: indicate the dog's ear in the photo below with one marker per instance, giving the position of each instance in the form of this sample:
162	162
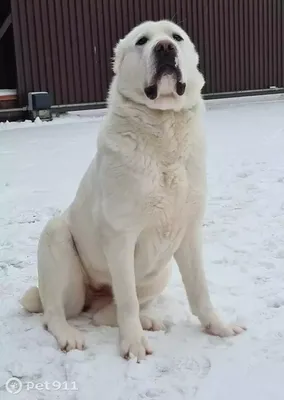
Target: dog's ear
118	56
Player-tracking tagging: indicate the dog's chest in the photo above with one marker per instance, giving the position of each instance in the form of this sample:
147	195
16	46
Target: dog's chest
168	202
170	196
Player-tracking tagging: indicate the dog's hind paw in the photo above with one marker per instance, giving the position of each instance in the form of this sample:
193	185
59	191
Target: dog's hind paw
151	324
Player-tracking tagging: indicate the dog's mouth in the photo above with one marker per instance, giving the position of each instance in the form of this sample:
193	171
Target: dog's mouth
151	91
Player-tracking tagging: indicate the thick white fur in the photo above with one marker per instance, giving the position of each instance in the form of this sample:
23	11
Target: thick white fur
140	203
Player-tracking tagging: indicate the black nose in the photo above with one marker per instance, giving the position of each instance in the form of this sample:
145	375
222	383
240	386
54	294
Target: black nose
164	47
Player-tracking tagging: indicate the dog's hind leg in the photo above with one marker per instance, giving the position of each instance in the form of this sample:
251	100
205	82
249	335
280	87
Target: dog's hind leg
106	315
61	283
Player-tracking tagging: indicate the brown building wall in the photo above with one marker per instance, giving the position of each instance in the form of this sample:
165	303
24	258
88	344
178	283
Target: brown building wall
65	46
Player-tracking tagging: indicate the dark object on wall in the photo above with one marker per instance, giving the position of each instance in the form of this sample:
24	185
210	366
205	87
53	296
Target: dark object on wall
39	106
8	79
65	46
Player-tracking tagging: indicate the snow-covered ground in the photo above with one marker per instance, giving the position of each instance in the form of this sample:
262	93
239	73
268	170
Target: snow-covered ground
40	167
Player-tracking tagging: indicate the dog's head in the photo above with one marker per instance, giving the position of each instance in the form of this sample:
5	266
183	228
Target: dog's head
156	64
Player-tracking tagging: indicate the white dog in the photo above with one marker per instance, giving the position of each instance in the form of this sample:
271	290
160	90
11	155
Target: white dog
140	203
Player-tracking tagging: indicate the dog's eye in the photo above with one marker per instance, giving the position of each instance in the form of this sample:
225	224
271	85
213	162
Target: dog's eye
143	40
177	37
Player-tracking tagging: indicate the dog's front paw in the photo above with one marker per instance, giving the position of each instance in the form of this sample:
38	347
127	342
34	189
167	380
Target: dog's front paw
133	344
216	328
224	330
70	339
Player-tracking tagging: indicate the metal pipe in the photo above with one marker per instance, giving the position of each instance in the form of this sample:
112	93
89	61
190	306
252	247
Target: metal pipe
78	107
243	93
13	114
22	113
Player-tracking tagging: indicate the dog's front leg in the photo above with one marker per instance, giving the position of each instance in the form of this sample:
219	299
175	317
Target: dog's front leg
190	263
120	257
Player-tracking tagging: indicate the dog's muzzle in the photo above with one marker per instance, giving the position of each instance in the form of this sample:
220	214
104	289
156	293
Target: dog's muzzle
165	53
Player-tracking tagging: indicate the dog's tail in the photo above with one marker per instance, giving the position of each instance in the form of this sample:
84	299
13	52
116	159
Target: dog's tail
31	300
